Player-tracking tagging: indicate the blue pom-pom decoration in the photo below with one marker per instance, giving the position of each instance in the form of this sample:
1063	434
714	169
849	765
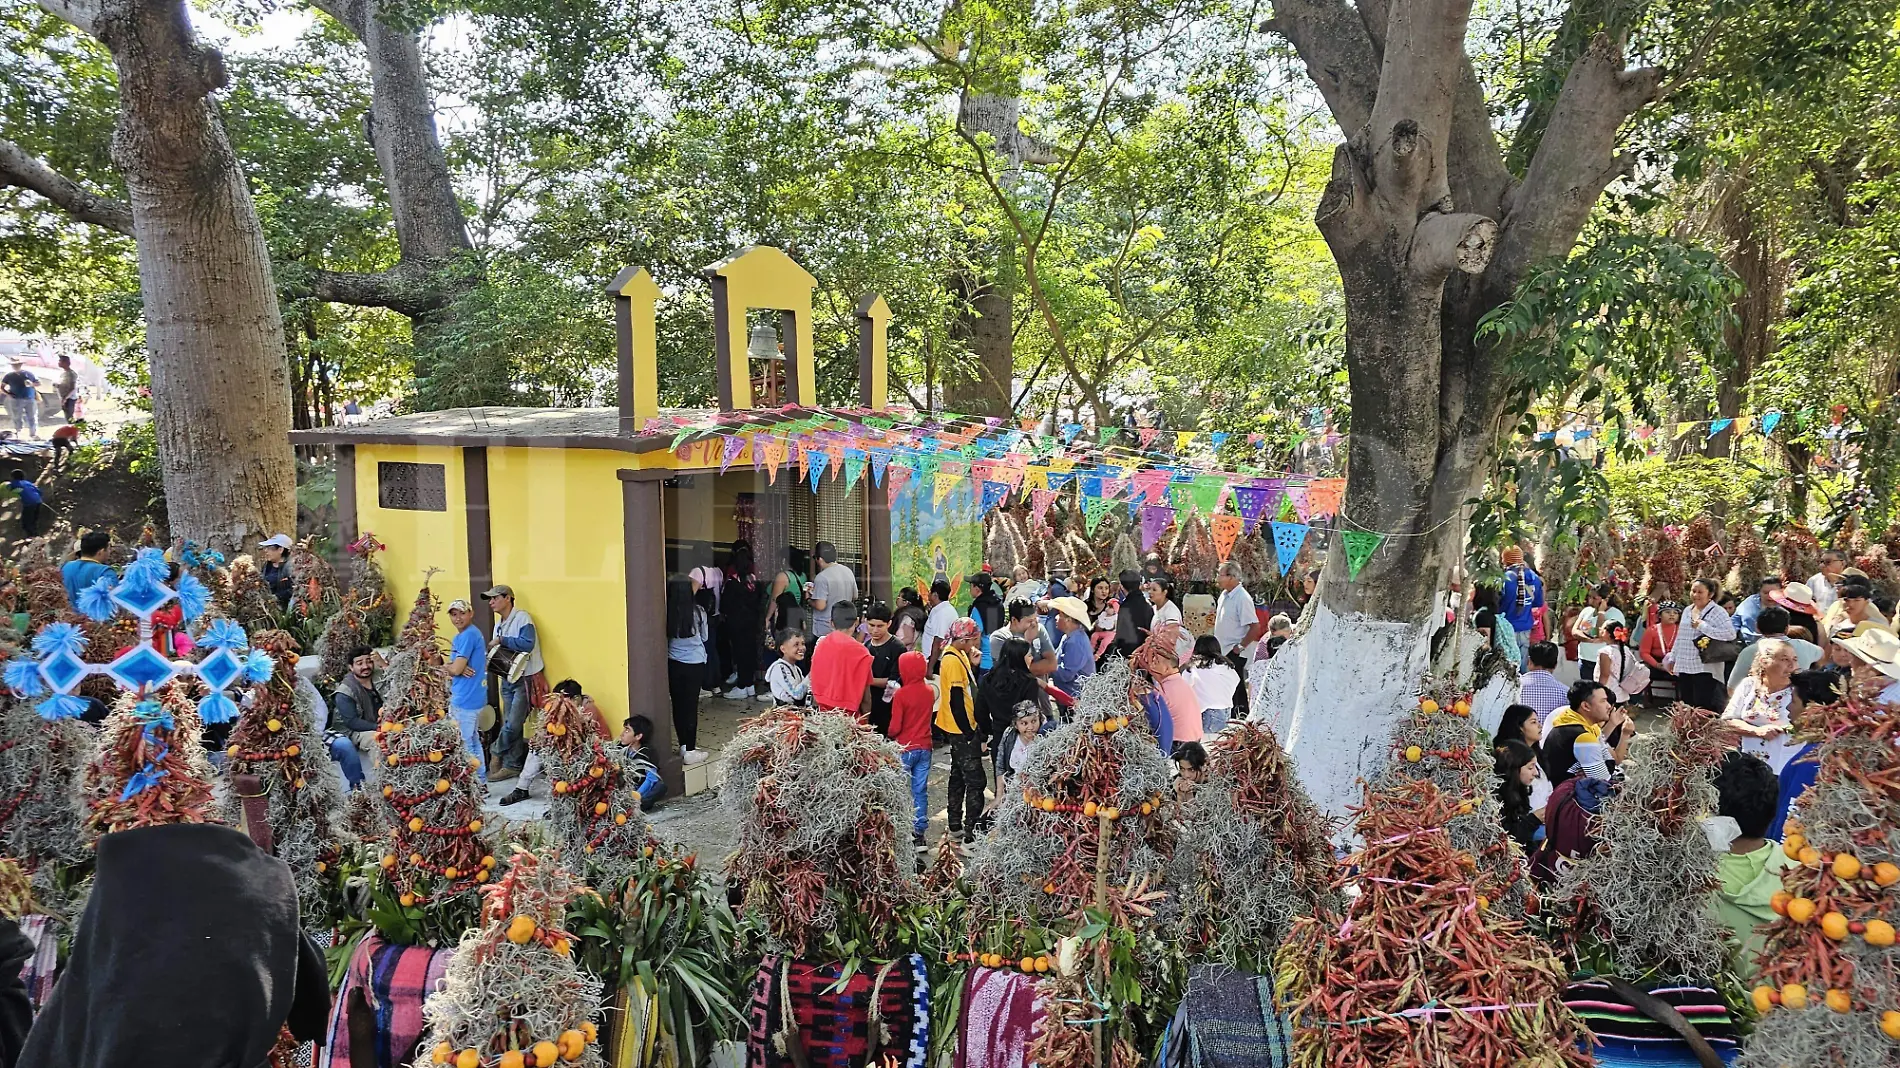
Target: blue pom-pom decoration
142	780
216	708
55	638
148	566
62	706
258	666
224	634
23	678
95	601
193	596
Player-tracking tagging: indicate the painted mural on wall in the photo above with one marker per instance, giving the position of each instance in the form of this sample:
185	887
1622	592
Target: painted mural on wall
936	536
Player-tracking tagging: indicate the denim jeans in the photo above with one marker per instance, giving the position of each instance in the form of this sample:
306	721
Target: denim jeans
512	749
25	414
917	762
343	751
1214	720
469	719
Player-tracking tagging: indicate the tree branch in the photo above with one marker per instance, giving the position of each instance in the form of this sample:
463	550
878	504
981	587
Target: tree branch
18	168
1444	243
1576	158
81	13
402	289
1410	126
1338	55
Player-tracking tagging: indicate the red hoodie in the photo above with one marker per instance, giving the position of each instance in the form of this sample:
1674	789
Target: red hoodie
915	705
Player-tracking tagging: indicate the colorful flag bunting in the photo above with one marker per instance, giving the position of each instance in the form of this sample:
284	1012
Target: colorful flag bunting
1207	491
1226	529
880	459
1323	495
1039	501
994	493
817	462
943	486
1360	545
894	481
1287	540
1155	520
732	446
1093	509
853	467
1769	421
1146	435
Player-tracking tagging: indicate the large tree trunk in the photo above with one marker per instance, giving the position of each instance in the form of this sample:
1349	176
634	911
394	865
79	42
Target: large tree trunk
1430	231
1750	337
220	384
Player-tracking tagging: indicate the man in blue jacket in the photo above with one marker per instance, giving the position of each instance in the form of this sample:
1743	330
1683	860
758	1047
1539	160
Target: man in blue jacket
1523	595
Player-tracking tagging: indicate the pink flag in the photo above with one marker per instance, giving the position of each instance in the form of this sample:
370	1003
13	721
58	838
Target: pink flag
1039	501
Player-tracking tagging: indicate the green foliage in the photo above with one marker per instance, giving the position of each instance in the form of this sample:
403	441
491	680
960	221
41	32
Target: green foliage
1656	491
668	933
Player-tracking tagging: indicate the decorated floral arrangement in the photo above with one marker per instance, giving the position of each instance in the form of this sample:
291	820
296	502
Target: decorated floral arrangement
595	811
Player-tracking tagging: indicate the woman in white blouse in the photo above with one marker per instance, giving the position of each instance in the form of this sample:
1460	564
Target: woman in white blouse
1762	707
1699	683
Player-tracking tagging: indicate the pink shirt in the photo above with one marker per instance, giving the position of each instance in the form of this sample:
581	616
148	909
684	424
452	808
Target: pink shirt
1183	708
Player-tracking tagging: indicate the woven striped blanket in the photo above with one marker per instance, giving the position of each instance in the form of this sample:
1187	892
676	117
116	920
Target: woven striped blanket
396	980
1228	1019
793	1001
1629	1037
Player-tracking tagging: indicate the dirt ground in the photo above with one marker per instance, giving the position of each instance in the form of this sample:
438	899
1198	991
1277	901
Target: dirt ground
101	494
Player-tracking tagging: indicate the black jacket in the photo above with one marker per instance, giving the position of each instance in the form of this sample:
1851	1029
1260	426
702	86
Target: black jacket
355	707
188	955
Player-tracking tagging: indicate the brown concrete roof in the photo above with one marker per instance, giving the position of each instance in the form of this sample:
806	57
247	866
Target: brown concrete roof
572	428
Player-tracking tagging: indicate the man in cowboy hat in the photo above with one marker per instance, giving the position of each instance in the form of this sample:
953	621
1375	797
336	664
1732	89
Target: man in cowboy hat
1879	650
1075	657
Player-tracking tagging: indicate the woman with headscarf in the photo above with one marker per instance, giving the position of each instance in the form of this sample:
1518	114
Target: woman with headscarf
1173	711
188	955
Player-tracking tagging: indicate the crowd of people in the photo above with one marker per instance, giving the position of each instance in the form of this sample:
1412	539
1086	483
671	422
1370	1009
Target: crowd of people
1588	670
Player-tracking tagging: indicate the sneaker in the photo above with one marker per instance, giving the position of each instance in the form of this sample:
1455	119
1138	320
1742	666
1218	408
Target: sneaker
743	693
503	774
969	837
732	679
514	796
764	696
917	840
707	695
694	756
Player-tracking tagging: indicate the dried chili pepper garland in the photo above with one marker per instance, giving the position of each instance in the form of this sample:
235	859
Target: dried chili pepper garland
1830	993
40	813
1642	906
149	769
819	798
1084	847
595	813
1418	970
1255	852
279	739
432	799
513	995
1439	742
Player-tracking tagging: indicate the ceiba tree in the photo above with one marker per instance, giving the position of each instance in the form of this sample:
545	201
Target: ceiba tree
1432	228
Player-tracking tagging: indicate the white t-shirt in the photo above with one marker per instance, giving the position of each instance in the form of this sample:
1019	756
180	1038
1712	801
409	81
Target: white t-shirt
1171	613
1214	685
937	625
1587	650
1823	590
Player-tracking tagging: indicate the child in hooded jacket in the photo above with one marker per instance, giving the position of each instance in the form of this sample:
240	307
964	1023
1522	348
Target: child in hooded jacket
913	709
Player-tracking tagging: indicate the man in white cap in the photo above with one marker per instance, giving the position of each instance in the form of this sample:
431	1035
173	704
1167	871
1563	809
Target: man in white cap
468	682
274	554
514	634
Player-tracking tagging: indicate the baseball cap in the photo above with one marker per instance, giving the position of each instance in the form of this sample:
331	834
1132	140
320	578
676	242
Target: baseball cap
460	604
281	541
498	590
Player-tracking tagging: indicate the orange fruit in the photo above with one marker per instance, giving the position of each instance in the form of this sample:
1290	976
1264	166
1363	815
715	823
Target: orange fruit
1147	807
620	819
415	823
1792	845
488	862
1089	808
1886	873
389	860
1047	804
588	1029
511	1059
545	1054
1846	866
1428	706
474	826
415	858
571	1043
1879	933
1764	999
442	786
596	771
600	808
468	1058
1098	727
1800	909
561	947
407	900
441	1054
1779	902
557	729
1839	1001
1042	963
273	725
322	867
1027	964
481	876
1834	925
1414	754
232	752
1890	1024
1809	856
392	763
1461	706
298	784
520	929
1795	996
1048	888
292	749
435	756
560	786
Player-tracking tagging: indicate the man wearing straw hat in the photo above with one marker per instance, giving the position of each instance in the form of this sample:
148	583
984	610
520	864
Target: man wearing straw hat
1878	650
